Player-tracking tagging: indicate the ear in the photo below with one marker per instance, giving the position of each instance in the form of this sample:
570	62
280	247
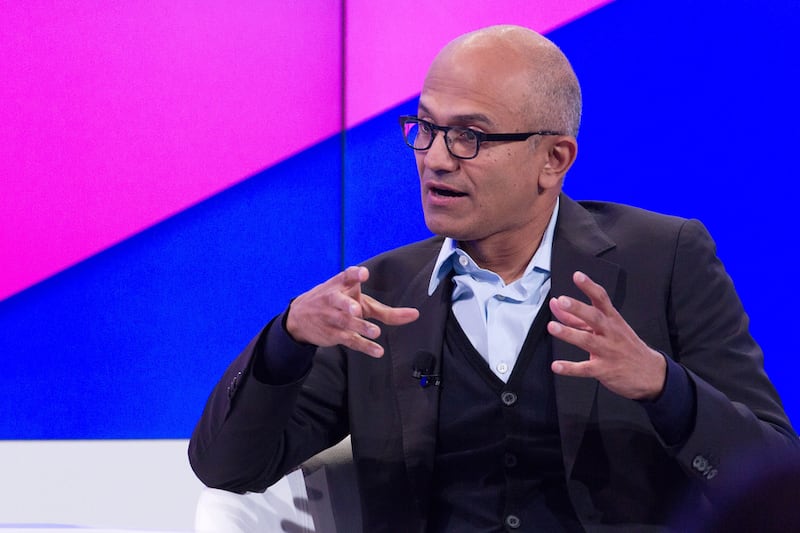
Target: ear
561	154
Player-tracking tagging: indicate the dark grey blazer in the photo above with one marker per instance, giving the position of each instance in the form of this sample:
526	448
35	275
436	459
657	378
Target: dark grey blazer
661	273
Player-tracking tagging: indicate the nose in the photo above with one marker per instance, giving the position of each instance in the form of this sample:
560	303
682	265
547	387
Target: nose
438	157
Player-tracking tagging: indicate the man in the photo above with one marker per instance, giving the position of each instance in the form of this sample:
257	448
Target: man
543	365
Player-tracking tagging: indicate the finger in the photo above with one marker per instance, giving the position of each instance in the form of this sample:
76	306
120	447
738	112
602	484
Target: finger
582	369
596	293
392	316
352	332
585	340
345	306
559	307
579	315
360	344
348	280
360	327
352	277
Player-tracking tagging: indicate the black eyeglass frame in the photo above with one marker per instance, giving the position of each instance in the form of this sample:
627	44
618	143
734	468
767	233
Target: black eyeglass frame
479	135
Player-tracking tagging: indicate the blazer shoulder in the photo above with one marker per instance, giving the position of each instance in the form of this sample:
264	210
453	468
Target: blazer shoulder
400	265
621	220
611	212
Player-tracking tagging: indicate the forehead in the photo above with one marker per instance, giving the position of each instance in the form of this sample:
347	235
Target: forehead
453	114
475	88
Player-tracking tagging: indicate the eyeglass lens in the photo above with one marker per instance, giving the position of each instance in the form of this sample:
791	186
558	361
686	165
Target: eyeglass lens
461	142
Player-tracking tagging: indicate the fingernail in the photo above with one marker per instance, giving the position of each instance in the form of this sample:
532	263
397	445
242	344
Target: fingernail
580	277
565	303
555	327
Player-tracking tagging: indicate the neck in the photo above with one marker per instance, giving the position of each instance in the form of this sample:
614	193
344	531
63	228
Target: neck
508	254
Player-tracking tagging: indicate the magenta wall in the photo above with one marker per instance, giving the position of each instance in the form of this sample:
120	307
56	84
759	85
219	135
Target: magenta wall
117	115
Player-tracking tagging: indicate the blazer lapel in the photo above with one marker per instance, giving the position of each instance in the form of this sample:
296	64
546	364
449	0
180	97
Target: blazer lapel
418	406
577	245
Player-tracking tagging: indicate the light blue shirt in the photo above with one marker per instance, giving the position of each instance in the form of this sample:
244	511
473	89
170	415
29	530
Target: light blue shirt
496	317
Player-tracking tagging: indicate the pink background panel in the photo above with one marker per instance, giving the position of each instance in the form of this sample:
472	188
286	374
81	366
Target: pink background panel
390	44
116	115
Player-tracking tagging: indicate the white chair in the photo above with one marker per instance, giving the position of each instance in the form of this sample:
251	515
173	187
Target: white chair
319	497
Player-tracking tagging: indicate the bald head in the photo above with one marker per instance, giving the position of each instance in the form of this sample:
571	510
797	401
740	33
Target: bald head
547	91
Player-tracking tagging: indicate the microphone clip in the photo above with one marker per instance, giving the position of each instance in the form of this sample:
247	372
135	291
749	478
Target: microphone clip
423	370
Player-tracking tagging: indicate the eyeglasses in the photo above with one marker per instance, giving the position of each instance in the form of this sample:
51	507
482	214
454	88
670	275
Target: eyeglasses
462	143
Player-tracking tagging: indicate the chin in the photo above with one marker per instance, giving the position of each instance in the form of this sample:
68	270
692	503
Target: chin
448	226
453	233
437	227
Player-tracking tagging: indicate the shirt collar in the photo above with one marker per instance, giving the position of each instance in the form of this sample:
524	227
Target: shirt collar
450	252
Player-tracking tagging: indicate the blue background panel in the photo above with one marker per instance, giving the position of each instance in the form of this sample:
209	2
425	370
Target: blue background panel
381	189
129	343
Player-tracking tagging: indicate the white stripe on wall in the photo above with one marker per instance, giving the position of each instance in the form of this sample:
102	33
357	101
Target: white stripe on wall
145	484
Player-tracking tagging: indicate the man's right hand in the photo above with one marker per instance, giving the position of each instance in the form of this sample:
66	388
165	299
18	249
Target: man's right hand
336	312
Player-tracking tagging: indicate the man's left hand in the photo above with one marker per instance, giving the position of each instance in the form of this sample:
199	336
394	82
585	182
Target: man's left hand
618	358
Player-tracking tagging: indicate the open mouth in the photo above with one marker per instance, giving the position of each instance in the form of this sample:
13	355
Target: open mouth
447	192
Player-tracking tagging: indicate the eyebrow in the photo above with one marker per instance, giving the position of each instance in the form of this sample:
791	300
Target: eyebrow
469	117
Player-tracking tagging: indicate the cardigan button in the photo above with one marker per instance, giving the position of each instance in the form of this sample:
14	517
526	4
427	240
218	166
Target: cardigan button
513	521
508	398
700	463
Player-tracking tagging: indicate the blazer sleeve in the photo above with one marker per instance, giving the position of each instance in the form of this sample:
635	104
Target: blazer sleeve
738	412
252	433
